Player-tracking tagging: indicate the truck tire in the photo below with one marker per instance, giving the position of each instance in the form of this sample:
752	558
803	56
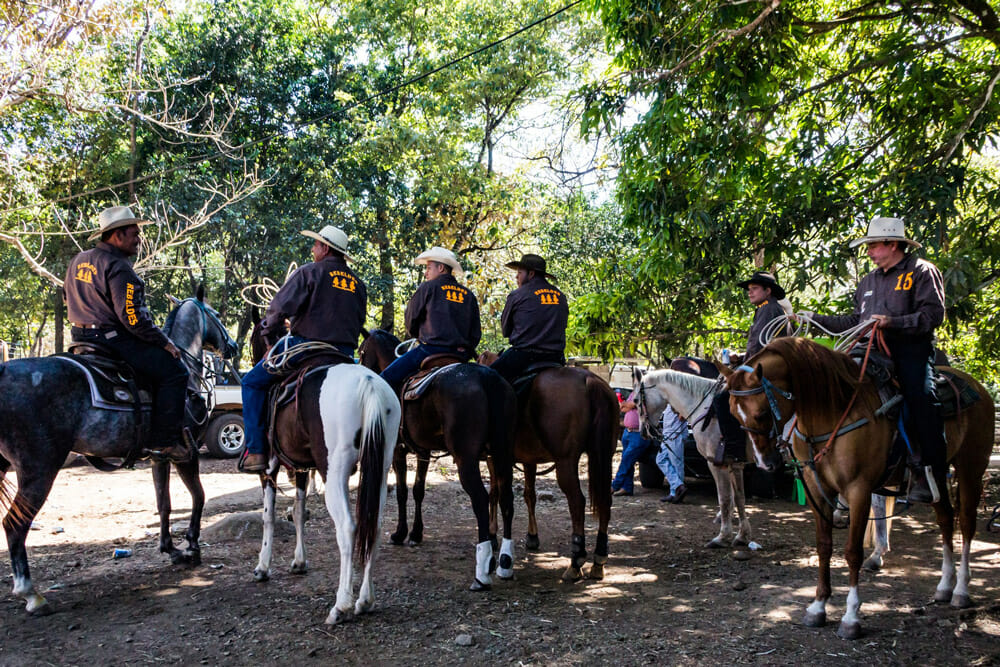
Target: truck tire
226	437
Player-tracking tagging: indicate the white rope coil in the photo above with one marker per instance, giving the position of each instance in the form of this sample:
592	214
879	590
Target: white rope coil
278	362
803	322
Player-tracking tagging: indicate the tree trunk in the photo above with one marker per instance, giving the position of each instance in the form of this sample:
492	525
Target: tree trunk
59	321
388	317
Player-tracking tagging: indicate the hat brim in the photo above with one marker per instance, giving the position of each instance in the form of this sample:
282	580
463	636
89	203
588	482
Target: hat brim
884	239
518	265
314	235
777	291
118	224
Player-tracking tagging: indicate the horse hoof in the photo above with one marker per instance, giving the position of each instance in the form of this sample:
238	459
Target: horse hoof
596	571
740	542
397	539
43	609
811	620
177	557
363	607
942	596
505	568
849	631
300	568
260	576
478	586
715	544
572	573
505	573
338	616
872	565
531	542
193	557
961	601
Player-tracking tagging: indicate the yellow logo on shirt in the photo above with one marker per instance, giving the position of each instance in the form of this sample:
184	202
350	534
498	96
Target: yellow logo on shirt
130	304
344	281
548	297
85	272
905	282
454	293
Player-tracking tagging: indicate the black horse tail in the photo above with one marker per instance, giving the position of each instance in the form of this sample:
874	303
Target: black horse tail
600	442
376	405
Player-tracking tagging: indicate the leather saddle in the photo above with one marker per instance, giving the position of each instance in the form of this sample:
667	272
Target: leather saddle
113	383
522	383
417	384
953	393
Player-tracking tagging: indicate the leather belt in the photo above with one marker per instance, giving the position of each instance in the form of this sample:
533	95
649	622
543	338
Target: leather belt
86	326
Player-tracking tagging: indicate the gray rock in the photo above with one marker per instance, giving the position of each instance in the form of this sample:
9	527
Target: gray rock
465	640
244	525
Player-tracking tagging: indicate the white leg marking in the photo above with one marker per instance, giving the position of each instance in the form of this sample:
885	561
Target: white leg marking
817	607
267	541
853	606
299	563
25	589
947	583
962	585
484	554
506	551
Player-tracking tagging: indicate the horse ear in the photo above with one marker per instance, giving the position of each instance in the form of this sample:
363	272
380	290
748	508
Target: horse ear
255	314
174	300
724	369
200	293
759	371
365	334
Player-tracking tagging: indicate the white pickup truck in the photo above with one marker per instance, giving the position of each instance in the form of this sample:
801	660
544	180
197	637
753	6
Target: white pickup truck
224	436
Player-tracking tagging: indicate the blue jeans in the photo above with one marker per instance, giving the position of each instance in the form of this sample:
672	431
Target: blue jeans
670	458
398	371
256	384
633	445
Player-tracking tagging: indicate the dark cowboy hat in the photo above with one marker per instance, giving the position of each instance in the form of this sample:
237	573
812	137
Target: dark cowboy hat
764	279
530	263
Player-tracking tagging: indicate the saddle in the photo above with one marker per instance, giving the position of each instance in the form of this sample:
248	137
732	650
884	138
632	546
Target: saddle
286	392
953	393
417	383
522	383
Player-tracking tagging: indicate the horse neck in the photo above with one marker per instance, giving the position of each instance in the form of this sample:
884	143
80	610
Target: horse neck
186	332
683	392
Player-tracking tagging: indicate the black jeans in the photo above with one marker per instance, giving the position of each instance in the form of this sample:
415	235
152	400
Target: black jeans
168	378
512	361
923	422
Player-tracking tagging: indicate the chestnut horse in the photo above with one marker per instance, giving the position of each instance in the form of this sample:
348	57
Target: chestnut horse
800	377
344	417
565	413
468	411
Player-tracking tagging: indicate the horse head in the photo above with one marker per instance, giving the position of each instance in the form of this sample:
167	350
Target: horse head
748	402
193	324
378	349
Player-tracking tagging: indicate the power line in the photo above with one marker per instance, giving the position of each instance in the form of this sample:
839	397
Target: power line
203	158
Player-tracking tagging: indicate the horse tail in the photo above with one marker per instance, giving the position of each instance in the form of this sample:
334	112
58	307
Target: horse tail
376	403
601	442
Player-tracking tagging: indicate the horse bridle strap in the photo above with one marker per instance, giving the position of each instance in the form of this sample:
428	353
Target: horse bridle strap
769	389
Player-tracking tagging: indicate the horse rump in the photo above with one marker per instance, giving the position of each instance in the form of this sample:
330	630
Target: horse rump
601	442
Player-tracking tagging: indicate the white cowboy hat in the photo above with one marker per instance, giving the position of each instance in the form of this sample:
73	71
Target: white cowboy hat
333	237
115	217
885	229
442	255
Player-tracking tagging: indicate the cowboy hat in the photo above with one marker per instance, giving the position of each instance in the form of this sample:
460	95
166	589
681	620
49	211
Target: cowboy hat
331	236
442	256
764	279
115	217
530	263
884	229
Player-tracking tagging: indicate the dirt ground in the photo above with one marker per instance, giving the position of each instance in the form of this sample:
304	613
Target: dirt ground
665	600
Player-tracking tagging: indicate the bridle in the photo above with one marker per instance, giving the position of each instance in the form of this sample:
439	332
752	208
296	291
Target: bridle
769	389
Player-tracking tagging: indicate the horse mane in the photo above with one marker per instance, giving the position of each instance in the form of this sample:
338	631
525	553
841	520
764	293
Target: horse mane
384	337
693	384
822	380
171	318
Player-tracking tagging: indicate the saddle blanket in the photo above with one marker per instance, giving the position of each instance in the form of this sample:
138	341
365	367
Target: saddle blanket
112	383
417	385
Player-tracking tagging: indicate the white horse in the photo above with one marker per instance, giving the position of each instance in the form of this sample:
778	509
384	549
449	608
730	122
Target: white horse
691	398
344	415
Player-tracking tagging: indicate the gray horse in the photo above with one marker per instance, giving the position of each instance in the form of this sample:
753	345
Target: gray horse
35	440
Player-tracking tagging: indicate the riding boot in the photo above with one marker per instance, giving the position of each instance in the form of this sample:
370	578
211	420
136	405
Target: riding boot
923	486
173	450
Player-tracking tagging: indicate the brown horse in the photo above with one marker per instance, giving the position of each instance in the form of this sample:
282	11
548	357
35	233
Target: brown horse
796	375
565	413
468	411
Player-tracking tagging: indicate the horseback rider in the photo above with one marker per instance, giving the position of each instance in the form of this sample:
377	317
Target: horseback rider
905	296
106	304
442	315
768	298
534	320
324	301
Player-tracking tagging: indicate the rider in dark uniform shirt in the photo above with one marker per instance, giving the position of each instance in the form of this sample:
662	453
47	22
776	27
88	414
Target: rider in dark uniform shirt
764	293
324	301
534	320
442	315
905	294
106	303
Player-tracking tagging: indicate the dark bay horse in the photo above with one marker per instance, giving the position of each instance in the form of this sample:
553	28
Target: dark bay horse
468	411
800	377
565	413
35	440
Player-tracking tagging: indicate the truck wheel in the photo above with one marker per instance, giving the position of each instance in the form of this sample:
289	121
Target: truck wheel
226	438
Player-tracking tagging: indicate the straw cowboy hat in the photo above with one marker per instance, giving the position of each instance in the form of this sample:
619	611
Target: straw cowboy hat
764	279
531	263
115	217
885	229
331	236
441	255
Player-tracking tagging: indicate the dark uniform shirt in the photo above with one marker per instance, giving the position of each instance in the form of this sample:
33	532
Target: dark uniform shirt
324	301
442	312
766	312
535	317
103	292
911	294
